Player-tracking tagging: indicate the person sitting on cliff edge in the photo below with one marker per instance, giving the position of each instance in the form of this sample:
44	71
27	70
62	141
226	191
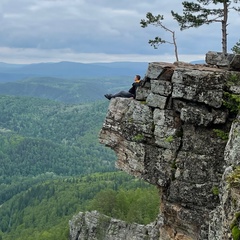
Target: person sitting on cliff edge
131	92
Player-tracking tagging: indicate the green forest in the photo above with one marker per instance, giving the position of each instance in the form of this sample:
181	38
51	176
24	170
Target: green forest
42	211
39	136
67	90
52	166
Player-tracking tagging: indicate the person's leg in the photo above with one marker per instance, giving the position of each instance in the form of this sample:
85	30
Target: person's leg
108	96
123	94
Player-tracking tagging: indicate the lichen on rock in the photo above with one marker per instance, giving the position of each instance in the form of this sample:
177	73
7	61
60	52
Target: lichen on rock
169	136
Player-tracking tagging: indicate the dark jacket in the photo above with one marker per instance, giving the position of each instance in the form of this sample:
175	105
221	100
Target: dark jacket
134	87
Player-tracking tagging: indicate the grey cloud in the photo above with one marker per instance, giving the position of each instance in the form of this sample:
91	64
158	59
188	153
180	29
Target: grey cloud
105	26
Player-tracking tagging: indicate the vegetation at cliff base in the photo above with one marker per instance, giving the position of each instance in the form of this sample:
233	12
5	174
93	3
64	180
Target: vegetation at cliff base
42	212
53	166
133	205
38	136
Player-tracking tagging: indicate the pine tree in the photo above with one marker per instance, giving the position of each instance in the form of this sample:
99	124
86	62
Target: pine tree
236	47
198	14
158	22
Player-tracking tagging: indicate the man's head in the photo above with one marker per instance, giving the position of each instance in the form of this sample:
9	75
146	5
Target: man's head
137	78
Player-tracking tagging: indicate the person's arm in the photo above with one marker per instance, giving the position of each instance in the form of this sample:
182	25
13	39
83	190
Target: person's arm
132	89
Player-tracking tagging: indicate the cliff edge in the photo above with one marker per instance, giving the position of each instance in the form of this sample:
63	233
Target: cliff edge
182	134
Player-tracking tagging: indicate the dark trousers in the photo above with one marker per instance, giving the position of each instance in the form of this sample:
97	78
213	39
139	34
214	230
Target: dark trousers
123	94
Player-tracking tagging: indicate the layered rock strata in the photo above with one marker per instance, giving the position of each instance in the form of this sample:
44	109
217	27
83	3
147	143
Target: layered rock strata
95	226
174	135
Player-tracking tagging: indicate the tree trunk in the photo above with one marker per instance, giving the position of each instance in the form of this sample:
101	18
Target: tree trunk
224	27
175	46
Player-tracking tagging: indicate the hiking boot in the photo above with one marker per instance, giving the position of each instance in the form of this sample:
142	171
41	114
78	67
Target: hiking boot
108	96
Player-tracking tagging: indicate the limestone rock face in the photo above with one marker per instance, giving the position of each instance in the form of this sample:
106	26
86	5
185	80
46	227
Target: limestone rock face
95	226
173	135
226	215
229	61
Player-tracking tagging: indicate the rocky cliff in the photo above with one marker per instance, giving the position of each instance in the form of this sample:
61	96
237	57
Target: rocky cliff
182	134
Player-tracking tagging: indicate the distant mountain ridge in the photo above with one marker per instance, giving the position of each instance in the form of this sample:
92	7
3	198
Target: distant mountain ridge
14	72
78	90
69	82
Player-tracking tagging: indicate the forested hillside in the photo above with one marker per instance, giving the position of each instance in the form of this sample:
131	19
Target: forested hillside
77	90
66	124
42	212
39	136
52	166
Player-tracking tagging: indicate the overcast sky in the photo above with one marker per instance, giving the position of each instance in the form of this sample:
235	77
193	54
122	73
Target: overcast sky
100	31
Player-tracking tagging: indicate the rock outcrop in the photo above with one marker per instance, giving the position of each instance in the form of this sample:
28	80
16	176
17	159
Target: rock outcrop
225	219
95	226
174	135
